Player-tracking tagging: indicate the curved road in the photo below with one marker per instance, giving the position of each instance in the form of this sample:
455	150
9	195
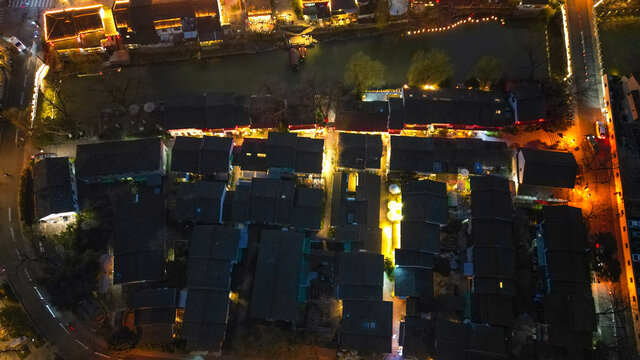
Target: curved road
14	250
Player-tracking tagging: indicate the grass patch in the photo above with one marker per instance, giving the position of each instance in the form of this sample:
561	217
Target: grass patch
15	321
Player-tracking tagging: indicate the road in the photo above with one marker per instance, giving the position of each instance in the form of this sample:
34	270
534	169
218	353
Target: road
14	250
585	64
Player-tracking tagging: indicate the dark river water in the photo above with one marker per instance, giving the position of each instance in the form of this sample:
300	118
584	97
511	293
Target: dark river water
247	73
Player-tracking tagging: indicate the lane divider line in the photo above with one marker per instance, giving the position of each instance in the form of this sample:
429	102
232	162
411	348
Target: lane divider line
83	345
64	328
51	311
103	355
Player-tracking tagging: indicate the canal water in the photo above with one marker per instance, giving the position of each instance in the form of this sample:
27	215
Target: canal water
246	74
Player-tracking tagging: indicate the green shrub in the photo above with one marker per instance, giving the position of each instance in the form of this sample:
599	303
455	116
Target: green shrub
389	269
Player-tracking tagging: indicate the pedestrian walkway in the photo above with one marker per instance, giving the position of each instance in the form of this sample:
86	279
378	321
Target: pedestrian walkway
42	4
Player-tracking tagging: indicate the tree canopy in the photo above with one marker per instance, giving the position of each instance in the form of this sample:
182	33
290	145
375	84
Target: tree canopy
363	72
122	340
559	105
604	263
489	70
431	68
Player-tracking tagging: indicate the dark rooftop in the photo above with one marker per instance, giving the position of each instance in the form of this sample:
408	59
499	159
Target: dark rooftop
420	235
496	310
457	107
125	157
205	156
356	199
253	155
491	198
199	202
360	237
367	325
370	116
529	101
564	244
153	298
307	208
139	237
492	236
547	168
571	320
289	151
277	276
212	249
52	187
417	337
214	111
411	154
446	155
469	341
360	275
359	151
414	282
271	200
425	200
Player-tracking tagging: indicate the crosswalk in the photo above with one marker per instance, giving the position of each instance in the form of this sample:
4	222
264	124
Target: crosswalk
42	4
1	16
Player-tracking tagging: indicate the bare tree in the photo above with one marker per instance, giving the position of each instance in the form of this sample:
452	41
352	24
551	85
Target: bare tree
123	89
618	307
534	51
599	211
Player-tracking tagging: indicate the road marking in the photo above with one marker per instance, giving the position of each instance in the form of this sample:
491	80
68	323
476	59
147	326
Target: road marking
51	311
83	345
13	236
18	254
9	213
27	273
39	294
64	328
22	98
24	83
101	354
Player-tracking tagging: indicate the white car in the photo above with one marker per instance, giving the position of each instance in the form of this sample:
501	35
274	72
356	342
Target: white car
601	131
17	43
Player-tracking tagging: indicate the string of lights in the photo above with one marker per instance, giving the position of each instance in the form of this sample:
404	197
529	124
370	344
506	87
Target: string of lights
454	25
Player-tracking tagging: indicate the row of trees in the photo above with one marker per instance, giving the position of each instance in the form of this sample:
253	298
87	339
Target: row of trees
435	68
432	68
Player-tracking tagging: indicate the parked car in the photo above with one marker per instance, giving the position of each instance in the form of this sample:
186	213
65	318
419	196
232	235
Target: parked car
634	224
601	130
17	43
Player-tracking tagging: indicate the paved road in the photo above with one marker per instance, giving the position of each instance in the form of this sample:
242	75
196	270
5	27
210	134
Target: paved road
586	68
14	251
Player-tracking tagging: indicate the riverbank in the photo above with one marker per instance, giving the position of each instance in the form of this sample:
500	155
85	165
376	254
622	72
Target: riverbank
259	43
